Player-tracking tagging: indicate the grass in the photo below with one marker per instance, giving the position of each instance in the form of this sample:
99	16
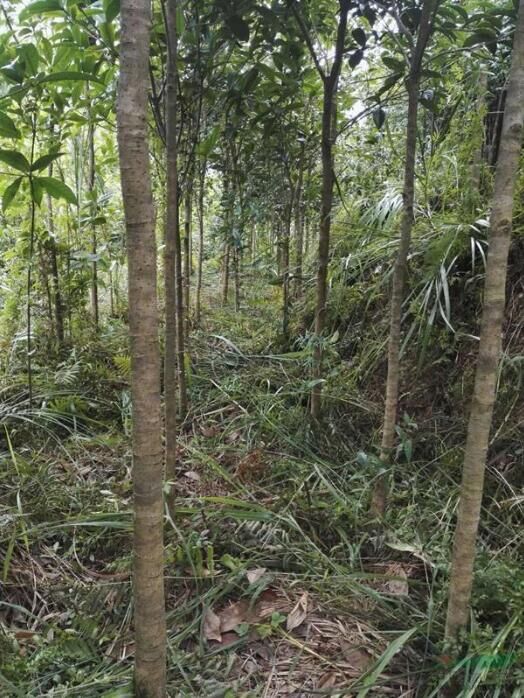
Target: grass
257	488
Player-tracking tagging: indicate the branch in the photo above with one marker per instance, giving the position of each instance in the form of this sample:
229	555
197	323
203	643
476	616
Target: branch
307	39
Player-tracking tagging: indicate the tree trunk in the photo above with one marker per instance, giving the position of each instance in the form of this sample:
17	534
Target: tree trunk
476	165
286	270
92	207
188	212
490	344
299	226
380	492
225	274
201	194
170	252
44	275
323	240
148	558
236	267
328	178
53	258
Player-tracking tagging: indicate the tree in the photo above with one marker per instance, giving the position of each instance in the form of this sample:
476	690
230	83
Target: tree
378	504
330	84
484	392
148	558
173	351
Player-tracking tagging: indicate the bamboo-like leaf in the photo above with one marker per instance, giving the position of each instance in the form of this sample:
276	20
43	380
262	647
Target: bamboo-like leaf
14	159
40	7
7	127
10	193
44	161
55	188
371	678
73	75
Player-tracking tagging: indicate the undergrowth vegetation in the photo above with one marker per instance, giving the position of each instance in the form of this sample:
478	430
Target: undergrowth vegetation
259	488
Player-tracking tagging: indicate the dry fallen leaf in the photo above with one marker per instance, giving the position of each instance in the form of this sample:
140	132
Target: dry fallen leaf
298	614
192	475
254	575
231	616
212	626
327	680
397	587
210	432
357	657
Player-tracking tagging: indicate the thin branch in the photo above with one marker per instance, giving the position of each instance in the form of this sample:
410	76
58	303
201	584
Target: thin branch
307	39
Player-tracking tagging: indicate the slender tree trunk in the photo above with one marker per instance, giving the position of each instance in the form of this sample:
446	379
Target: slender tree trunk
286	270
299	226
29	309
94	242
170	251
148	558
476	165
328	178
307	228
44	274
323	241
201	194
188	214
490	344
180	323
225	274
111	294
380	492
53	258
236	270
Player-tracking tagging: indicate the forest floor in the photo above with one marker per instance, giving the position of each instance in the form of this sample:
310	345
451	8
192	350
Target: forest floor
278	583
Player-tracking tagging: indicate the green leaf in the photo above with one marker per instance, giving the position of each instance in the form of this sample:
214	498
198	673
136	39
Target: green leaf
40	7
355	58
394	64
13	71
56	188
7	127
111	9
239	27
37	191
205	147
31	58
481	36
69	75
360	36
15	159
379	116
10	192
371	678
44	161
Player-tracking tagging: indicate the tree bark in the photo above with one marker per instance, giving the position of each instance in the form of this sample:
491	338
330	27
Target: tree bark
170	251
53	258
225	274
188	214
380	491
236	268
328	178
323	243
201	194
476	165
285	268
94	242
490	344
148	558
299	225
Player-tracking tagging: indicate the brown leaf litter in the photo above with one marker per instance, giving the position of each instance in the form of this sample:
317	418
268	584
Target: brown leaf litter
314	649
